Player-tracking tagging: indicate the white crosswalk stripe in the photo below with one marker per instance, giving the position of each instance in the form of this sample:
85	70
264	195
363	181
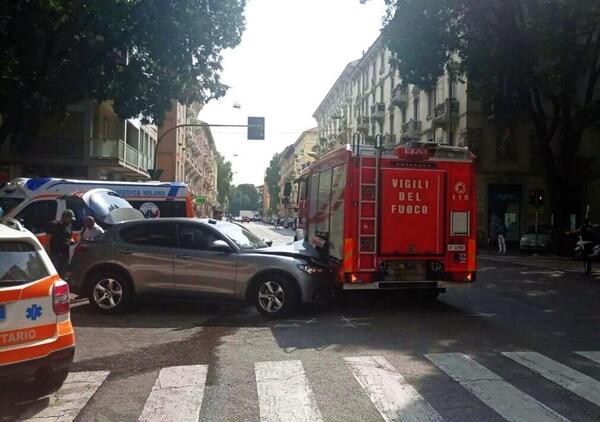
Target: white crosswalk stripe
177	395
595	356
67	402
504	398
574	381
284	393
395	399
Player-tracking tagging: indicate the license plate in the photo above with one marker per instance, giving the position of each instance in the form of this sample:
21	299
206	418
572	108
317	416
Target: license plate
2	313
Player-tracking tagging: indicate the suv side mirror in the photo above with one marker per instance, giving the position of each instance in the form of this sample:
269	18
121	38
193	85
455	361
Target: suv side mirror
220	246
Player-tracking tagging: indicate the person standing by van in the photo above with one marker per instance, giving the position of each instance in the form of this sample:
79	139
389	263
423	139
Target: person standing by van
501	233
91	230
60	239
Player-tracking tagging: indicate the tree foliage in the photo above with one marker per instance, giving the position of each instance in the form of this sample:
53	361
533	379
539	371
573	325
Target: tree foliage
537	58
272	179
139	53
224	176
244	197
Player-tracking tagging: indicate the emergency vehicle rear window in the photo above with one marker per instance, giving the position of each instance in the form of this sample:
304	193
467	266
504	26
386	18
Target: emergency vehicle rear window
20	263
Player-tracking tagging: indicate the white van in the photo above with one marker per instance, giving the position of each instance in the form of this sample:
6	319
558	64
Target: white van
35	213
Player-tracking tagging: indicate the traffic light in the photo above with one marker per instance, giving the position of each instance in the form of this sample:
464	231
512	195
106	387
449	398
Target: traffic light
536	197
256	128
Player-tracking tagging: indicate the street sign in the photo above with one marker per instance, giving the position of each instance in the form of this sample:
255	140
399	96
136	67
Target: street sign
200	200
256	128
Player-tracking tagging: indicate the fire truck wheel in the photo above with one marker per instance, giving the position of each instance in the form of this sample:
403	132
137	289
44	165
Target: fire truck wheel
275	296
110	292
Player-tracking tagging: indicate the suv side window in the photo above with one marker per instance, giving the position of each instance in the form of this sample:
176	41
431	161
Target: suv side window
37	215
150	234
196	237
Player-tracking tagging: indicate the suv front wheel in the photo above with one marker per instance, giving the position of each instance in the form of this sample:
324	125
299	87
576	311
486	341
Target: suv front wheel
110	293
275	296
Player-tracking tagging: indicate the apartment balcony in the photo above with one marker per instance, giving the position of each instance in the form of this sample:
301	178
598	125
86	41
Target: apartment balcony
445	113
363	124
378	111
119	155
400	96
411	130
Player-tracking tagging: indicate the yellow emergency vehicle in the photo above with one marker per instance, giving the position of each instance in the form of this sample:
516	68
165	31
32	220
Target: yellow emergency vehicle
37	341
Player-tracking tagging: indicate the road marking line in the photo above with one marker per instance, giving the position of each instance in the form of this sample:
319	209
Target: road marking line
574	381
176	395
284	393
595	356
67	402
394	398
505	399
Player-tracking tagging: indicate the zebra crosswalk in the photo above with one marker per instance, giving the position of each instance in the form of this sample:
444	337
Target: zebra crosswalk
284	392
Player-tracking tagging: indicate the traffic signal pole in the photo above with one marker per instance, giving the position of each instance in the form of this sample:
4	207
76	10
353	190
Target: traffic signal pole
154	172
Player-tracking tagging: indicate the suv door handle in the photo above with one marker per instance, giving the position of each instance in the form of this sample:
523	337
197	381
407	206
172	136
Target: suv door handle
184	257
125	251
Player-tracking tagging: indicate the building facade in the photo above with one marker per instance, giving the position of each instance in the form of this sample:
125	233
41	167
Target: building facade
293	160
369	98
170	157
200	167
91	142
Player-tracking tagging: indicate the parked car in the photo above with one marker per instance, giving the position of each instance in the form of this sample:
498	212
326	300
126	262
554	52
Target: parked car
37	342
245	219
544	239
188	258
288	223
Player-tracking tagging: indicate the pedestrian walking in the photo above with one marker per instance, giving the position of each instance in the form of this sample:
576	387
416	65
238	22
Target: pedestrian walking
60	239
587	242
91	230
501	233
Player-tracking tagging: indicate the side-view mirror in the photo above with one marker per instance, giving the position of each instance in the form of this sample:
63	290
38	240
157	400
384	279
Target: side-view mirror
220	246
268	242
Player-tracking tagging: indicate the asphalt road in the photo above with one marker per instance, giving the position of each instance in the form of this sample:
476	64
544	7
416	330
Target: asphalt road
504	349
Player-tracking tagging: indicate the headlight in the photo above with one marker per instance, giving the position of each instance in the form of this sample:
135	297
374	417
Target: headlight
310	269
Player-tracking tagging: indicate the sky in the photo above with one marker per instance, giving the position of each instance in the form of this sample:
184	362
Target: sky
291	53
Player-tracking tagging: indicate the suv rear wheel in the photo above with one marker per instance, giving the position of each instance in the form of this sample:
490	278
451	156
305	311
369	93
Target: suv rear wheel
110	292
275	296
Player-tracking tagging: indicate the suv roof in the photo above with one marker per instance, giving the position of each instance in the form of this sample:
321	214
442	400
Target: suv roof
11	231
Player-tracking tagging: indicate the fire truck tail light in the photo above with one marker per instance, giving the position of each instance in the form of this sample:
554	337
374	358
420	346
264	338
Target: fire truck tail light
60	298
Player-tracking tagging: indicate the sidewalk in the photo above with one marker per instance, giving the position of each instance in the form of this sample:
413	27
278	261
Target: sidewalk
547	262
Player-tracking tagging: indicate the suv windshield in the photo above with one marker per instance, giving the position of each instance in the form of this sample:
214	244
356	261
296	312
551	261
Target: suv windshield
20	263
241	236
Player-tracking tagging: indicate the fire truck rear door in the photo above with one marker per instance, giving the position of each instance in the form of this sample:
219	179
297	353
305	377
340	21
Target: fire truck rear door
412	212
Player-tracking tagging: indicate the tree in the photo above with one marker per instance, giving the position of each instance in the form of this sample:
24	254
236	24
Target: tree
244	197
224	176
139	54
540	58
272	179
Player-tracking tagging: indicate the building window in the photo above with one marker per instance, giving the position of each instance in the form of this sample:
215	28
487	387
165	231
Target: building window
431	100
416	113
403	116
392	122
381	92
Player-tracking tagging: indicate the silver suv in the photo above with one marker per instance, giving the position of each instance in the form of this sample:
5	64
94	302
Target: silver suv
192	257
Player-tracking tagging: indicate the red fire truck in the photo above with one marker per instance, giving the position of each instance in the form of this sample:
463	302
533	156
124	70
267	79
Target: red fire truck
393	218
